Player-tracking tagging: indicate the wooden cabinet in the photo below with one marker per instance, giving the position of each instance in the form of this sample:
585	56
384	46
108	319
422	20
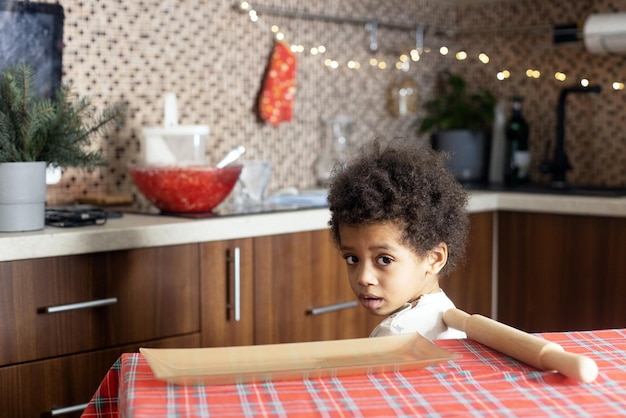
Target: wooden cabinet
101	304
66	319
47	387
227	283
470	284
63	305
297	275
561	272
291	288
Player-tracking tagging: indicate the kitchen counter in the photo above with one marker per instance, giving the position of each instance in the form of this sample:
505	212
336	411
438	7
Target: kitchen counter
138	231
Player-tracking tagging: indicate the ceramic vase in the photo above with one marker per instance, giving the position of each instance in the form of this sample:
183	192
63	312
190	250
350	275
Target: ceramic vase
468	151
22	196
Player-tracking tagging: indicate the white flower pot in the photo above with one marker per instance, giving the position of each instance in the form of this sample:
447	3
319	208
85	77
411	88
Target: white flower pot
22	196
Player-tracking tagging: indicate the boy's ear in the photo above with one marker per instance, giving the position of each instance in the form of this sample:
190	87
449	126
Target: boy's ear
437	257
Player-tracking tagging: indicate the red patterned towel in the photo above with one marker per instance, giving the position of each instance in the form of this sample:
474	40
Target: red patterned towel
279	86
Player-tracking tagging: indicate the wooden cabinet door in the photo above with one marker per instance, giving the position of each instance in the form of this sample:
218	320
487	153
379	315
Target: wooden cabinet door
49	306
44	388
296	276
470	284
160	288
561	272
224	295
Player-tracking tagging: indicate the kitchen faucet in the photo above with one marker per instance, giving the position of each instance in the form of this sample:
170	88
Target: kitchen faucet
560	163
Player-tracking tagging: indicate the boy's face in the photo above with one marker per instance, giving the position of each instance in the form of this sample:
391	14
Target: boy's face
384	272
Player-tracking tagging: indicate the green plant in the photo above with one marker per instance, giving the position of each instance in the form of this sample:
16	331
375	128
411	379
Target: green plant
52	130
457	108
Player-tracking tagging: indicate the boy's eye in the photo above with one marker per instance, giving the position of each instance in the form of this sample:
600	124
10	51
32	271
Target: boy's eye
351	259
384	260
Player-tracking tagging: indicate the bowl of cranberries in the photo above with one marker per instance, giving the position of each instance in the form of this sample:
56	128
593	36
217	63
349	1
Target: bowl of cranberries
185	188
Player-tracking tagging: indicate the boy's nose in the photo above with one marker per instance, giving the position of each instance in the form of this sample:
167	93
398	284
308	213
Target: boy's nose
365	276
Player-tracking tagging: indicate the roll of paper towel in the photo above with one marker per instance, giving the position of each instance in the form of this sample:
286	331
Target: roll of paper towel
605	33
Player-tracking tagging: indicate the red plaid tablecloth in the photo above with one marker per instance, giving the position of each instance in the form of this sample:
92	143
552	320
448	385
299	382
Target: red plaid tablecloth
482	382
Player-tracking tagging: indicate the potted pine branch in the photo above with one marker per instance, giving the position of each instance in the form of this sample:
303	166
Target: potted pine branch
38	132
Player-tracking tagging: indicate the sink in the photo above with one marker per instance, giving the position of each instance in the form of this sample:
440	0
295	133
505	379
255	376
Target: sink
571	190
310	197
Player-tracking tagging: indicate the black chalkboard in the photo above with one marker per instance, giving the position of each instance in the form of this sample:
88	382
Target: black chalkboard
33	33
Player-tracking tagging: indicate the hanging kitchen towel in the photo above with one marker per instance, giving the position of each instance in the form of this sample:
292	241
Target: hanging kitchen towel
279	86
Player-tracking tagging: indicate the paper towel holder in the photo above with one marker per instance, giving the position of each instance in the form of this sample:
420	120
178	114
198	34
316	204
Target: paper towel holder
601	33
605	33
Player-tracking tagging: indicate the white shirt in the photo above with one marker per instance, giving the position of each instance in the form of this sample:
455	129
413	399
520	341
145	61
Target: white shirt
425	317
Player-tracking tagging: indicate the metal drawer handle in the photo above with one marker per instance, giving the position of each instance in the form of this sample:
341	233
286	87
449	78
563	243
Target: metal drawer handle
236	305
80	305
332	308
68	409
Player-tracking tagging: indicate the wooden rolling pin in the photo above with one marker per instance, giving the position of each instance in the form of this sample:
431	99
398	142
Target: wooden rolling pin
539	353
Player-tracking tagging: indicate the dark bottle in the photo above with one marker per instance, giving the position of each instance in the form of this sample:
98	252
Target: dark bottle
517	160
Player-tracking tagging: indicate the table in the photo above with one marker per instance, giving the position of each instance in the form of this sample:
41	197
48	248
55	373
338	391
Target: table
481	382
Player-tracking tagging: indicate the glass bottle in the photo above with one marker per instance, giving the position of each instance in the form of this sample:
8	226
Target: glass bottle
336	146
517	156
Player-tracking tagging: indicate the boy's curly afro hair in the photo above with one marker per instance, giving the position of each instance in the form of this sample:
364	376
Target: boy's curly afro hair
406	183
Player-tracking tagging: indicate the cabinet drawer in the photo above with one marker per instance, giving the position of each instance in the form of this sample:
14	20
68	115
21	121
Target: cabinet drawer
38	388
302	291
47	305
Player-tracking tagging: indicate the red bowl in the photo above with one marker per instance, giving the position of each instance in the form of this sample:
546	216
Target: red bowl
194	188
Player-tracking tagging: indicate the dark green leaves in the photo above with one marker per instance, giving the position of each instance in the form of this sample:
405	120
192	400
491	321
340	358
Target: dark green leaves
56	131
457	108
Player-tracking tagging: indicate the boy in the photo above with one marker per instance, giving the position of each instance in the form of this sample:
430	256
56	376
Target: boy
399	219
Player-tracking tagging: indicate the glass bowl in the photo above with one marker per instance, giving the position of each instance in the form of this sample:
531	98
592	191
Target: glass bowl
189	188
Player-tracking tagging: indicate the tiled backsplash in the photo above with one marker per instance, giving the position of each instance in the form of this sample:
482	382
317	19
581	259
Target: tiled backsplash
595	133
214	57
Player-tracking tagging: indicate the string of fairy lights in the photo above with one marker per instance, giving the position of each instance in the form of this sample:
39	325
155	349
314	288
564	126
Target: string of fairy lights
404	60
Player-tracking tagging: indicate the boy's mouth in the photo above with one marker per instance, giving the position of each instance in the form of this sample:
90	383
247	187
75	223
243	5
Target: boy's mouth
370	302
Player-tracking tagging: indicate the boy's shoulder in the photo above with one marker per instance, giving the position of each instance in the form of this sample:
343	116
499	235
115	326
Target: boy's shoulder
424	317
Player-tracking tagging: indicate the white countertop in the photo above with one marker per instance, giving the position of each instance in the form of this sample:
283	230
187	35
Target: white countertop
138	231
